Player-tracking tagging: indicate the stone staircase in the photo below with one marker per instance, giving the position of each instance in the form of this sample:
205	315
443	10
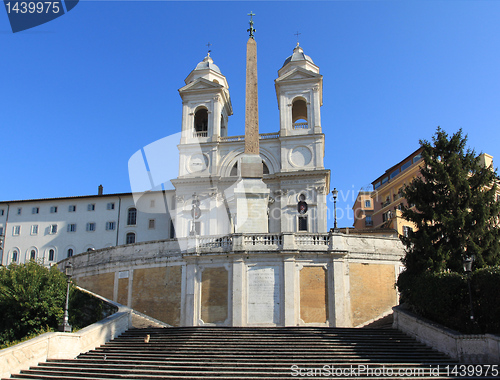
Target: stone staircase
250	353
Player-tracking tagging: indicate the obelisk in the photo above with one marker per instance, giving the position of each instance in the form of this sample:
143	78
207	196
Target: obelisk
251	193
251	163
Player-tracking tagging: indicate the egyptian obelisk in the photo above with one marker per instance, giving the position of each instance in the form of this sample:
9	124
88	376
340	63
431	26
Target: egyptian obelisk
251	193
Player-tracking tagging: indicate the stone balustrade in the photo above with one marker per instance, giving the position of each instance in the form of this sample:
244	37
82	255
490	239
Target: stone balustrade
145	253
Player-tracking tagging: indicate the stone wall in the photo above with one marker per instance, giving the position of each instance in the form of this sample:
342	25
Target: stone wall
250	279
372	290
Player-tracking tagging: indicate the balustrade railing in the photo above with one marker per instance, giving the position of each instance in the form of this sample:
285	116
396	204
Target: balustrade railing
262	136
268	239
300	125
215	242
200	134
311	239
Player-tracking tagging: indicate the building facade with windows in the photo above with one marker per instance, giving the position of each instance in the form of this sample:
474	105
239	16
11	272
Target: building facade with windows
49	230
384	210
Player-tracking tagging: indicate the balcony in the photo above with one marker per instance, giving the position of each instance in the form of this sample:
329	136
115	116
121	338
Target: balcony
300	125
197	134
262	136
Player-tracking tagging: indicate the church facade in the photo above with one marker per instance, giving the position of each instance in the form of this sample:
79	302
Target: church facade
283	268
242	239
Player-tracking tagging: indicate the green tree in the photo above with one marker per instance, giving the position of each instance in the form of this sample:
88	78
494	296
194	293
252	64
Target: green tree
31	300
456	211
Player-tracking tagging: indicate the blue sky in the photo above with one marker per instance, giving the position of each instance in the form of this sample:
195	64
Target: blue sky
81	94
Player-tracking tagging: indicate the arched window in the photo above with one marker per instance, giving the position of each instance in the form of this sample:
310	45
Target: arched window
51	254
132	216
223	131
265	169
201	122
234	170
299	114
33	255
70	252
130	238
14	256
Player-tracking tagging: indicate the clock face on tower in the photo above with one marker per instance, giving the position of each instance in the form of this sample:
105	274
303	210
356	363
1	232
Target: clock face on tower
197	163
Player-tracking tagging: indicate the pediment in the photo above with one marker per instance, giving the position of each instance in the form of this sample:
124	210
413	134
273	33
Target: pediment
298	73
201	84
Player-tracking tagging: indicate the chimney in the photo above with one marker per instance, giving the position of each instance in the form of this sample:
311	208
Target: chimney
100	190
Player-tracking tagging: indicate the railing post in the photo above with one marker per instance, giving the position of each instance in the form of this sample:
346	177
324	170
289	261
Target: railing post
238	244
289	241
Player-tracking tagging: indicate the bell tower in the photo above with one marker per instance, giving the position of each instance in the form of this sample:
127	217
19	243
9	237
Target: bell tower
299	89
206	104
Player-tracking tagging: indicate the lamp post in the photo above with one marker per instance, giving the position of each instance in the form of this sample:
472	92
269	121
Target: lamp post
467	263
66	327
335	193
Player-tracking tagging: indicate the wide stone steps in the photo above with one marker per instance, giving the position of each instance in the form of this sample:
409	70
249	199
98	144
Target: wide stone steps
250	353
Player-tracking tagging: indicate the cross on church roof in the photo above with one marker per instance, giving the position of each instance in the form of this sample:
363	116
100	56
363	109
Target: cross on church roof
251	30
297	34
208	45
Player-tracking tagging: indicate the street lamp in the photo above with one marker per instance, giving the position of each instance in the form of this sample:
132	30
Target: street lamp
467	263
335	193
66	327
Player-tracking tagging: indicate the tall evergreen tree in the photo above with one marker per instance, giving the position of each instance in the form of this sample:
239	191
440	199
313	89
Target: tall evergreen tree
456	212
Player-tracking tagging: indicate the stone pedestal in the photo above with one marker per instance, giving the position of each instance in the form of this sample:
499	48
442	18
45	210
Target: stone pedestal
251	197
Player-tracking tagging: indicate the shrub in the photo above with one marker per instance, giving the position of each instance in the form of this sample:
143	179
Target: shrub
444	298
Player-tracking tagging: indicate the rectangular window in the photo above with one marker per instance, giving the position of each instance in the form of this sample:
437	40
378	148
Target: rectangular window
377	185
406	165
1	231
90	227
151	224
34	229
35	210
16	231
91	207
53	229
418	157
368	203
72	227
110	206
71	208
384	180
386	216
2	212
19	210
110	226
53	209
394	173
368	221
407	231
132	217
302	223
152	203
172	230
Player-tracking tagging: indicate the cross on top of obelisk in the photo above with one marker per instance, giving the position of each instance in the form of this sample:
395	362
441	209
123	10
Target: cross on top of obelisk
251	30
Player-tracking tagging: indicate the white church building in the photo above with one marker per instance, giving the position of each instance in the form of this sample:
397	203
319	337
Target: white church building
50	230
240	240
